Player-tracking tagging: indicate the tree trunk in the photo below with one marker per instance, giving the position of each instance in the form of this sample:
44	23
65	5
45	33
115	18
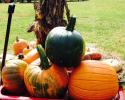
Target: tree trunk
48	14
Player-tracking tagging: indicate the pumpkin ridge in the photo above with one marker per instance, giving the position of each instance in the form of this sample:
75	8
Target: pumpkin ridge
87	83
61	72
100	73
10	72
30	75
29	81
91	98
94	67
91	90
91	80
104	68
27	72
94	86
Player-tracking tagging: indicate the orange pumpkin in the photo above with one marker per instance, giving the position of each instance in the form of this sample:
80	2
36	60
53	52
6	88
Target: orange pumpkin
19	45
31	56
93	80
26	50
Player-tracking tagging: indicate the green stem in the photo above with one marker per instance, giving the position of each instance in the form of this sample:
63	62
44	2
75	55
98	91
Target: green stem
44	60
71	24
20	56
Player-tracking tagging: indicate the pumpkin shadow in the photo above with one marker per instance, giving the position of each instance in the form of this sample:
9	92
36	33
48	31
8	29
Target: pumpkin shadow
6	92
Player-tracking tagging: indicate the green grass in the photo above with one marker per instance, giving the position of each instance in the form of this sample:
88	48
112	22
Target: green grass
101	22
22	18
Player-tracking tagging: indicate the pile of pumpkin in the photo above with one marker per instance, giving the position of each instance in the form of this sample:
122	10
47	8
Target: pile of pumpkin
64	51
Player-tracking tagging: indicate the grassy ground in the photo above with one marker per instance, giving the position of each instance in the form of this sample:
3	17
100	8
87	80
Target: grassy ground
101	22
23	16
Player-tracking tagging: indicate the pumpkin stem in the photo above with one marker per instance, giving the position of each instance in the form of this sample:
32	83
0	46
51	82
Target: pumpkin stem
44	60
20	56
28	47
17	39
71	24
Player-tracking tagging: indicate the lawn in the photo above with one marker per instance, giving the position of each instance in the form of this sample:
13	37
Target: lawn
101	22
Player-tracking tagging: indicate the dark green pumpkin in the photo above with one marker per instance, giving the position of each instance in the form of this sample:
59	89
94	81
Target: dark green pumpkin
65	46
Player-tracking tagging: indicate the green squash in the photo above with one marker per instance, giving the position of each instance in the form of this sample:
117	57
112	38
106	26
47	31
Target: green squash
65	46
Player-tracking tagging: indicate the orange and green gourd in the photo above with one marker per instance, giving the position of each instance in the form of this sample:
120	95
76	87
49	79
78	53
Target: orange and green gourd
13	77
50	81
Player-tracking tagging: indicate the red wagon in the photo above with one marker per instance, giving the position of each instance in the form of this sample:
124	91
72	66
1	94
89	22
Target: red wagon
4	96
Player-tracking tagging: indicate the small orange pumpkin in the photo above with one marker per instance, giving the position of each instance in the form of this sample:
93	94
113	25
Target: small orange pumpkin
93	80
19	45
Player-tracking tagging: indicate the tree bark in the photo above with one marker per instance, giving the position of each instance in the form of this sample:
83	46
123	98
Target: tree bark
48	14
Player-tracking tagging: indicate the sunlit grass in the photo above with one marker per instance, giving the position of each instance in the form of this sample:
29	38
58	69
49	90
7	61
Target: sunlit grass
101	22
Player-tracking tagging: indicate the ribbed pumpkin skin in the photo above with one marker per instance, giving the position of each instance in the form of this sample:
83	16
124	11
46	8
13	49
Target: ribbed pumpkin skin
50	83
93	80
13	77
63	47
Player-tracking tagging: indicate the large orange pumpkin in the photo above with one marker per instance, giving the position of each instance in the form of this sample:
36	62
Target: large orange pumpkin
93	80
19	45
